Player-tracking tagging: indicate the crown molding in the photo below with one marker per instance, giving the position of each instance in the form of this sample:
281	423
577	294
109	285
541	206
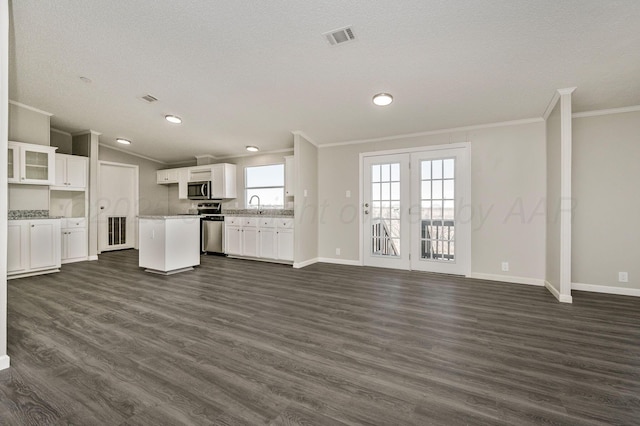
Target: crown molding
62	132
567	90
595	113
438	132
132	153
86	132
304	135
275	151
552	104
30	108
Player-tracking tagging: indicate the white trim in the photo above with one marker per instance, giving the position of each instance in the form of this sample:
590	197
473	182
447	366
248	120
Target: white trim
437	132
567	90
34	273
86	132
94	257
561	297
623	291
62	132
566	202
298	265
340	261
4	362
275	151
132	153
30	108
633	108
551	106
508	279
304	135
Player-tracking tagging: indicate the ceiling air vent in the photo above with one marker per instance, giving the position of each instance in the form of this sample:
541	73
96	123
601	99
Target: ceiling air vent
149	98
340	36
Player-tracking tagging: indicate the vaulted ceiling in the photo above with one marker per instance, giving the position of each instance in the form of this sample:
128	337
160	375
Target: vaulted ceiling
249	72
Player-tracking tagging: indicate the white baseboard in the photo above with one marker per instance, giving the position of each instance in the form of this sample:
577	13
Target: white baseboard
4	362
508	279
298	265
339	261
94	257
623	291
561	297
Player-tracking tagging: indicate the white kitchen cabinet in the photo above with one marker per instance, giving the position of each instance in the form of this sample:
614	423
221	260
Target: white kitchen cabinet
223	180
183	181
33	247
71	172
289	176
74	240
168	244
260	238
167	176
31	164
233	240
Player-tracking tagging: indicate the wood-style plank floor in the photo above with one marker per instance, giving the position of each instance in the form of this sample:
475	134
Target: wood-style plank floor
241	342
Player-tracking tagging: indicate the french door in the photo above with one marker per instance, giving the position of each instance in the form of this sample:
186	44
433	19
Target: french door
412	205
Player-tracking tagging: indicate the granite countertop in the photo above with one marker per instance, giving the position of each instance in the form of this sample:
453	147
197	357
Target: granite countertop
175	216
36	218
260	213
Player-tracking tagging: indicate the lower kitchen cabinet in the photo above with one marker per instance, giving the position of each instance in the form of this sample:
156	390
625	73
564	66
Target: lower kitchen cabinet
33	247
74	240
259	238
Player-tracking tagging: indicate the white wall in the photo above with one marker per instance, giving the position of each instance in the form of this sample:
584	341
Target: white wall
153	198
305	201
606	174
553	199
507	206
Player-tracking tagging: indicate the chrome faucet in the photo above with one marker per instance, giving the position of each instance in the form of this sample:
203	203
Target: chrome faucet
251	199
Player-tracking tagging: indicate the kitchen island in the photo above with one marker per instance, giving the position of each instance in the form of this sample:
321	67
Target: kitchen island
169	244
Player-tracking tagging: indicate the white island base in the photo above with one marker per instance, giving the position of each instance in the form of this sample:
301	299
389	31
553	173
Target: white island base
169	244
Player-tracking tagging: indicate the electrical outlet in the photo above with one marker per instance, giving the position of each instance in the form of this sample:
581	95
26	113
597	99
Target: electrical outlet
505	266
305	192
337	252
348	194
623	277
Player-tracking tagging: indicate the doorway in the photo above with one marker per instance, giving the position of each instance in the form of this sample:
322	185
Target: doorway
117	206
412	210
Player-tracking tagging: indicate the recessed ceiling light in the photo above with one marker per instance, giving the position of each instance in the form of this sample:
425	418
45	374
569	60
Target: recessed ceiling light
252	148
173	119
382	99
123	141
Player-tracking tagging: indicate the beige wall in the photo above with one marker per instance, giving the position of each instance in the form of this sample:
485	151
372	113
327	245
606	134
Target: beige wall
606	173
181	206
508	190
153	197
28	197
553	146
28	126
63	141
305	200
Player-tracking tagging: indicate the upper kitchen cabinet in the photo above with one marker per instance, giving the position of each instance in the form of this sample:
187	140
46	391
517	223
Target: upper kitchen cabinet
224	180
168	176
31	164
71	172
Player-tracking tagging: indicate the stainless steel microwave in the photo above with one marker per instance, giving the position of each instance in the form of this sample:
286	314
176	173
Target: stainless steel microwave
199	190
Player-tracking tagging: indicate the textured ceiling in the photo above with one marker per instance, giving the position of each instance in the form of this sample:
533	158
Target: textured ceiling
249	72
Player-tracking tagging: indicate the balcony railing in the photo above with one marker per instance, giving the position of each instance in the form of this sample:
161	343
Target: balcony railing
382	243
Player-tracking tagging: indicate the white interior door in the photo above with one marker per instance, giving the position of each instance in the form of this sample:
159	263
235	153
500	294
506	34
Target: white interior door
385	220
411	210
440	238
117	206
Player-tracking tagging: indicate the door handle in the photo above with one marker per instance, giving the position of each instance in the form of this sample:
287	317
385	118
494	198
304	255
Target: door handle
366	212
202	190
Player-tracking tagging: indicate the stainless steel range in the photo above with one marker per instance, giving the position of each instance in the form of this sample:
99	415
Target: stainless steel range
212	227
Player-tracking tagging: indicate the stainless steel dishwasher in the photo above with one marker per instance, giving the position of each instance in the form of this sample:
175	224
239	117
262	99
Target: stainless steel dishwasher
213	234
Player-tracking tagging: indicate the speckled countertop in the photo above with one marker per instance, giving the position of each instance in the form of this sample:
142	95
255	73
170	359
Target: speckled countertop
30	214
261	213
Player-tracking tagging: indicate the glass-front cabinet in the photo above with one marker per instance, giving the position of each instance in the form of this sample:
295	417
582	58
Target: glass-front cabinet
31	164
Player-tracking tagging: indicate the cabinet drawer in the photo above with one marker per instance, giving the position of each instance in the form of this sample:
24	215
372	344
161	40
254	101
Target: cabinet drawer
267	222
285	223
249	221
74	222
232	220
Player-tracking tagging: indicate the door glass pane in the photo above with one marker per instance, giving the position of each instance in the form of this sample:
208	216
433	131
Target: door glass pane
437	225
36	165
10	164
385	209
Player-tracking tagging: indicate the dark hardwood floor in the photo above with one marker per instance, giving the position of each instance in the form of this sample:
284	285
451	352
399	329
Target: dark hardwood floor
241	342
